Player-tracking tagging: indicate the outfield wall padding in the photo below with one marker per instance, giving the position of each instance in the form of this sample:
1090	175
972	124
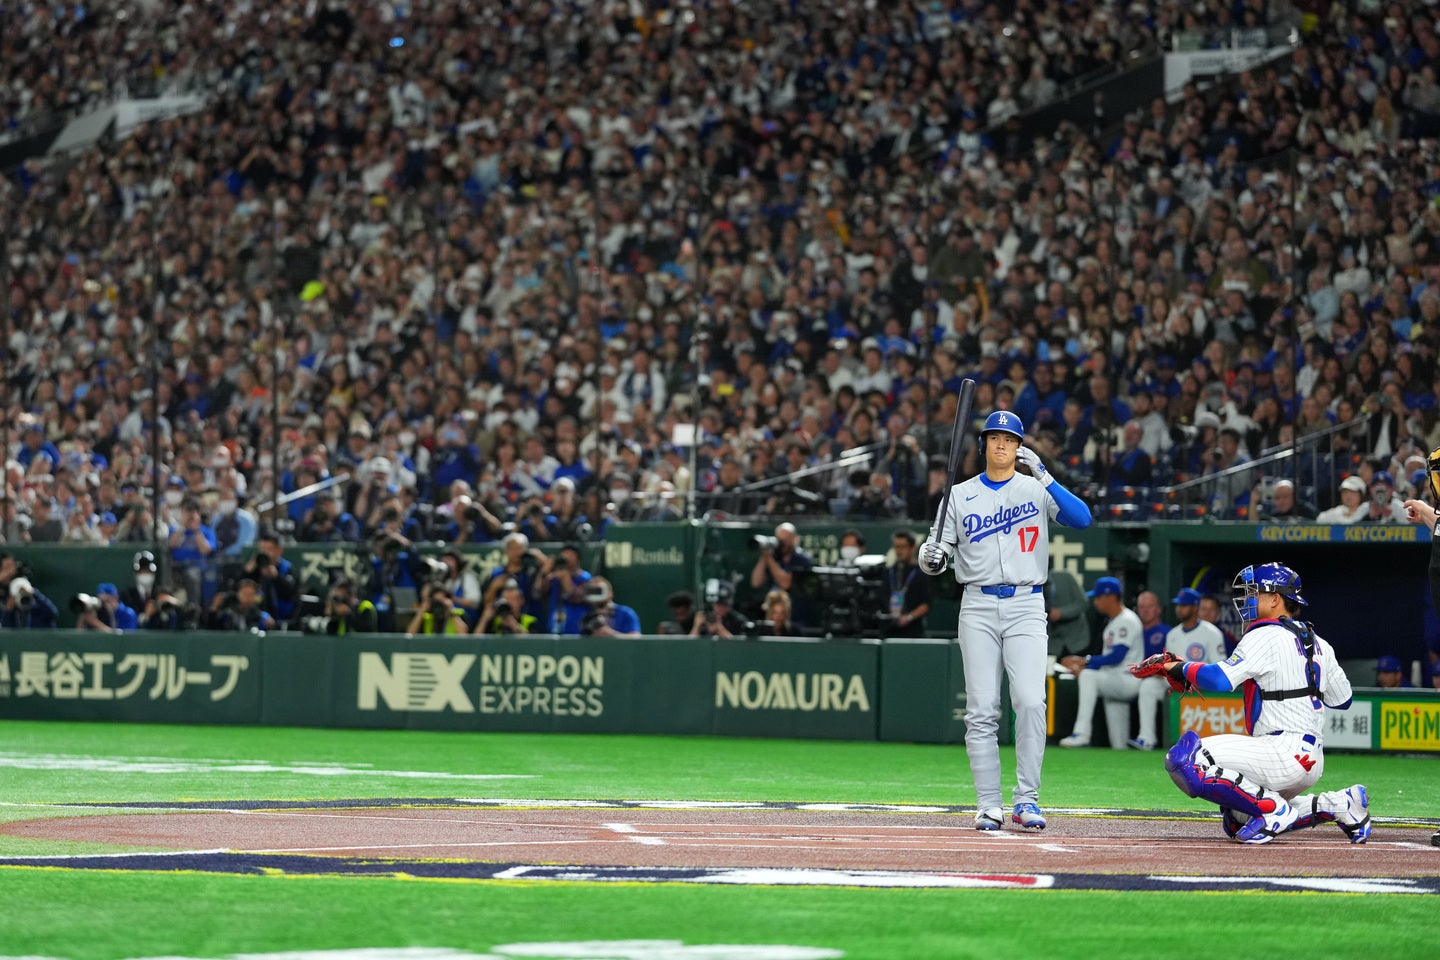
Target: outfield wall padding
665	685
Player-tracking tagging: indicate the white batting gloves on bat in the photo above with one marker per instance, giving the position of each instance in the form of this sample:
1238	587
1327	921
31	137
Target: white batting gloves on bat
934	558
1031	459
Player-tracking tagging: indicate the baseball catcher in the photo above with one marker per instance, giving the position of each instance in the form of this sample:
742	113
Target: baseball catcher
1289	674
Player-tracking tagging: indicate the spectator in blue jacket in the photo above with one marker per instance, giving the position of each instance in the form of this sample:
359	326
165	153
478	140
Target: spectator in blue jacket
110	615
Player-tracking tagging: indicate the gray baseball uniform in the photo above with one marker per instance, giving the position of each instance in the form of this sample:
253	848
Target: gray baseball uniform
1002	555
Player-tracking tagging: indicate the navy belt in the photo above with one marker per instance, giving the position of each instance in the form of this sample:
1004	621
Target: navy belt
1308	738
1009	589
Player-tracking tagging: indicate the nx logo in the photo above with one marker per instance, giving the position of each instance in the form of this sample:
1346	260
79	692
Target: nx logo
424	682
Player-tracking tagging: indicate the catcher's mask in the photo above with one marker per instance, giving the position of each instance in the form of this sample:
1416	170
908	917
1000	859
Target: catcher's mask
1432	468
1264	578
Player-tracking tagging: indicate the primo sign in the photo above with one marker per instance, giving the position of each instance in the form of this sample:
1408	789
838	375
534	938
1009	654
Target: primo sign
565	686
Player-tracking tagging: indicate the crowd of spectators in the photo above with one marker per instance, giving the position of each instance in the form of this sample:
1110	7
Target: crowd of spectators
464	271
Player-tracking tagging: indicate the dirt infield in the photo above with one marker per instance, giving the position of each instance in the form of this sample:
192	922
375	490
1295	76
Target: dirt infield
774	836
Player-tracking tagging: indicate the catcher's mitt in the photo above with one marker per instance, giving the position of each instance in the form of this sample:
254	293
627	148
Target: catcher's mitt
1167	666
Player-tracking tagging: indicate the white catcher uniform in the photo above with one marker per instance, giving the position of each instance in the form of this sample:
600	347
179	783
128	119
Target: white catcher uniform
1003	558
1285	750
1202	643
1112	680
1258	780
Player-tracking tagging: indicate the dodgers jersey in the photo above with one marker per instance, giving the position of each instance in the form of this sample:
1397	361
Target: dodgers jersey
1001	536
1270	658
1124	629
1203	643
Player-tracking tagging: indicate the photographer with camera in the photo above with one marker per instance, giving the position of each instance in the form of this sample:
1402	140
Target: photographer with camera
241	611
344	614
328	522
393	570
780	559
156	607
570	522
27	608
560	591
438	614
909	592
507	614
103	612
524	565
606	618
465	518
720	618
534	520
279	587
463	584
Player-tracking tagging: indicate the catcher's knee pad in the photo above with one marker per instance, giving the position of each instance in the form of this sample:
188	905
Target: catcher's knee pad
1197	775
1180	763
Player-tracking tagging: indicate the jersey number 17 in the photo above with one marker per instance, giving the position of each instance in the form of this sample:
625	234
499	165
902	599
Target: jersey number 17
1029	536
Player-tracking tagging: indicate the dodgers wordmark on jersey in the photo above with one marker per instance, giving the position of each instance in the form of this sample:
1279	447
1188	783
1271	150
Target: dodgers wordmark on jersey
998	533
1270	659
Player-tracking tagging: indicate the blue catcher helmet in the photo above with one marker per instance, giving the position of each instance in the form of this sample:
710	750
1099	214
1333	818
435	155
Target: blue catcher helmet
1005	422
1264	578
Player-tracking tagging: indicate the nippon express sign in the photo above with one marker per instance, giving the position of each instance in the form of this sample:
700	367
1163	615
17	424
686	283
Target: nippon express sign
505	683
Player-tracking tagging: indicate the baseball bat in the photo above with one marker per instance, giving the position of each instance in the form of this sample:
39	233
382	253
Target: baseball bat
957	443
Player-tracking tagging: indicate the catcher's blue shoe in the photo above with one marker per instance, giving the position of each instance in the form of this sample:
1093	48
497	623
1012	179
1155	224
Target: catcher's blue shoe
1229	822
1355	821
1028	815
989	818
1267	827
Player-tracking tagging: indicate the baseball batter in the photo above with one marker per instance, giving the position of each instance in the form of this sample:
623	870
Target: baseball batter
996	532
1192	640
1289	674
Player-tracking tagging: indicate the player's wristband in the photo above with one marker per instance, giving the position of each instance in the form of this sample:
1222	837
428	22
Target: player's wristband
1191	671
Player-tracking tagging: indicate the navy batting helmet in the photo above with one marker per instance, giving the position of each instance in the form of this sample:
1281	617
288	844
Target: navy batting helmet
1264	578
1005	422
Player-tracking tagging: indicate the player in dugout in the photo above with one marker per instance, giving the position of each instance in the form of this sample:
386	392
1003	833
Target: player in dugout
995	530
1418	511
1288	672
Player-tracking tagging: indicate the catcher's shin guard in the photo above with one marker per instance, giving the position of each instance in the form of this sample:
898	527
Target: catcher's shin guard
1195	772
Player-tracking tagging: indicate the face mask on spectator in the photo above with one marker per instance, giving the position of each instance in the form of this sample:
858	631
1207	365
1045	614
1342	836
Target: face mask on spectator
227	507
173	497
407	439
849	553
145	581
619	495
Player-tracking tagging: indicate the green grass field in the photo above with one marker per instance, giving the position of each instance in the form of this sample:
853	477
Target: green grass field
114	915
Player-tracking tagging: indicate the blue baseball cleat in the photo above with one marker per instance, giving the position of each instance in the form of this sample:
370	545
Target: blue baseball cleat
1355	821
1267	827
1028	815
989	818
